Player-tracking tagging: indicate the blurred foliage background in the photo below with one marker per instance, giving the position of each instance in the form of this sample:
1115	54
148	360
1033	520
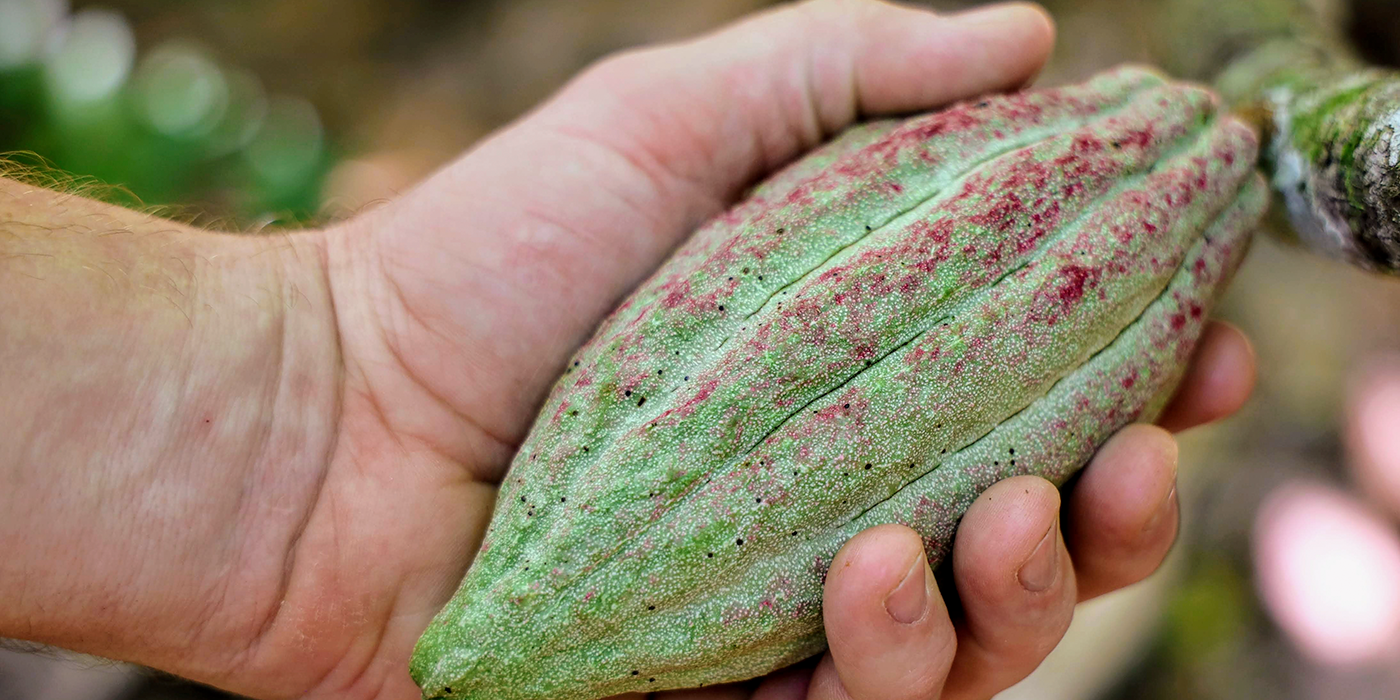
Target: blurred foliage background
252	113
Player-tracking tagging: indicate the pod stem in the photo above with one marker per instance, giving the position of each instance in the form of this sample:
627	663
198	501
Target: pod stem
1330	121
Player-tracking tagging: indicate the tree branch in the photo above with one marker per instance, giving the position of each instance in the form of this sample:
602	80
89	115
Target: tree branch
1331	122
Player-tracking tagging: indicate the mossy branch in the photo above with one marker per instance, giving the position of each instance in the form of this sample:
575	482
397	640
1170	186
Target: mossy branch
1331	122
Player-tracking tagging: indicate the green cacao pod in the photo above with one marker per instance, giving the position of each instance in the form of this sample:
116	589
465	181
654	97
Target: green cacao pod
876	335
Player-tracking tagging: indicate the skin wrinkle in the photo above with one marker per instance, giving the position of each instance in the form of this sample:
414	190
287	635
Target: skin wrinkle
729	188
397	354
661	181
820	126
502	447
220	585
269	617
715	181
563	266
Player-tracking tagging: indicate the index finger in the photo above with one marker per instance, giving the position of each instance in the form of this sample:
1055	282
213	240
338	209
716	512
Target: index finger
1218	382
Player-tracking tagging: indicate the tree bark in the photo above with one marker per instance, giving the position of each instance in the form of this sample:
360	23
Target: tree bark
1331	122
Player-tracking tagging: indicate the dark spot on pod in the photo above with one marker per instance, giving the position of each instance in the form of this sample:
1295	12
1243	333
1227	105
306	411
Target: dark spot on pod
710	555
721	307
636	673
1013	462
867	466
758	500
651	607
627	392
585	448
745	270
983	103
1116	145
563	498
1012	451
659	371
867	227
522	499
739	542
641	401
794	533
996	463
575	363
846	406
782	230
943	451
760	278
651	680
686	378
573	413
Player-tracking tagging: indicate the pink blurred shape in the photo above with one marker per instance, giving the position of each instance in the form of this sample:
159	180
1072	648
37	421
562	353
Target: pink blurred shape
1374	436
1328	569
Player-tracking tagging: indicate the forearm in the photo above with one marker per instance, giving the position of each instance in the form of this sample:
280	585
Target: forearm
168	401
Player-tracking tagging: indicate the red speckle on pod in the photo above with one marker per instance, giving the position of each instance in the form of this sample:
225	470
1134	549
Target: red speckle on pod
1074	279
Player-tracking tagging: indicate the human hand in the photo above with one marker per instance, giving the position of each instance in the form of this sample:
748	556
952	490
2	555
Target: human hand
1326	560
324	415
462	300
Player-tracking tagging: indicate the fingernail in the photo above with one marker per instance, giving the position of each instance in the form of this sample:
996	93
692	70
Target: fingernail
1167	507
908	601
1043	567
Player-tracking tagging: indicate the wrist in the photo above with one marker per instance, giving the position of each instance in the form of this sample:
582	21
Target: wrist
173	394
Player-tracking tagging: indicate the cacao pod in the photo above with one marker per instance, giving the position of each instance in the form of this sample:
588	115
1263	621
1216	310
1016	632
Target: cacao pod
876	335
